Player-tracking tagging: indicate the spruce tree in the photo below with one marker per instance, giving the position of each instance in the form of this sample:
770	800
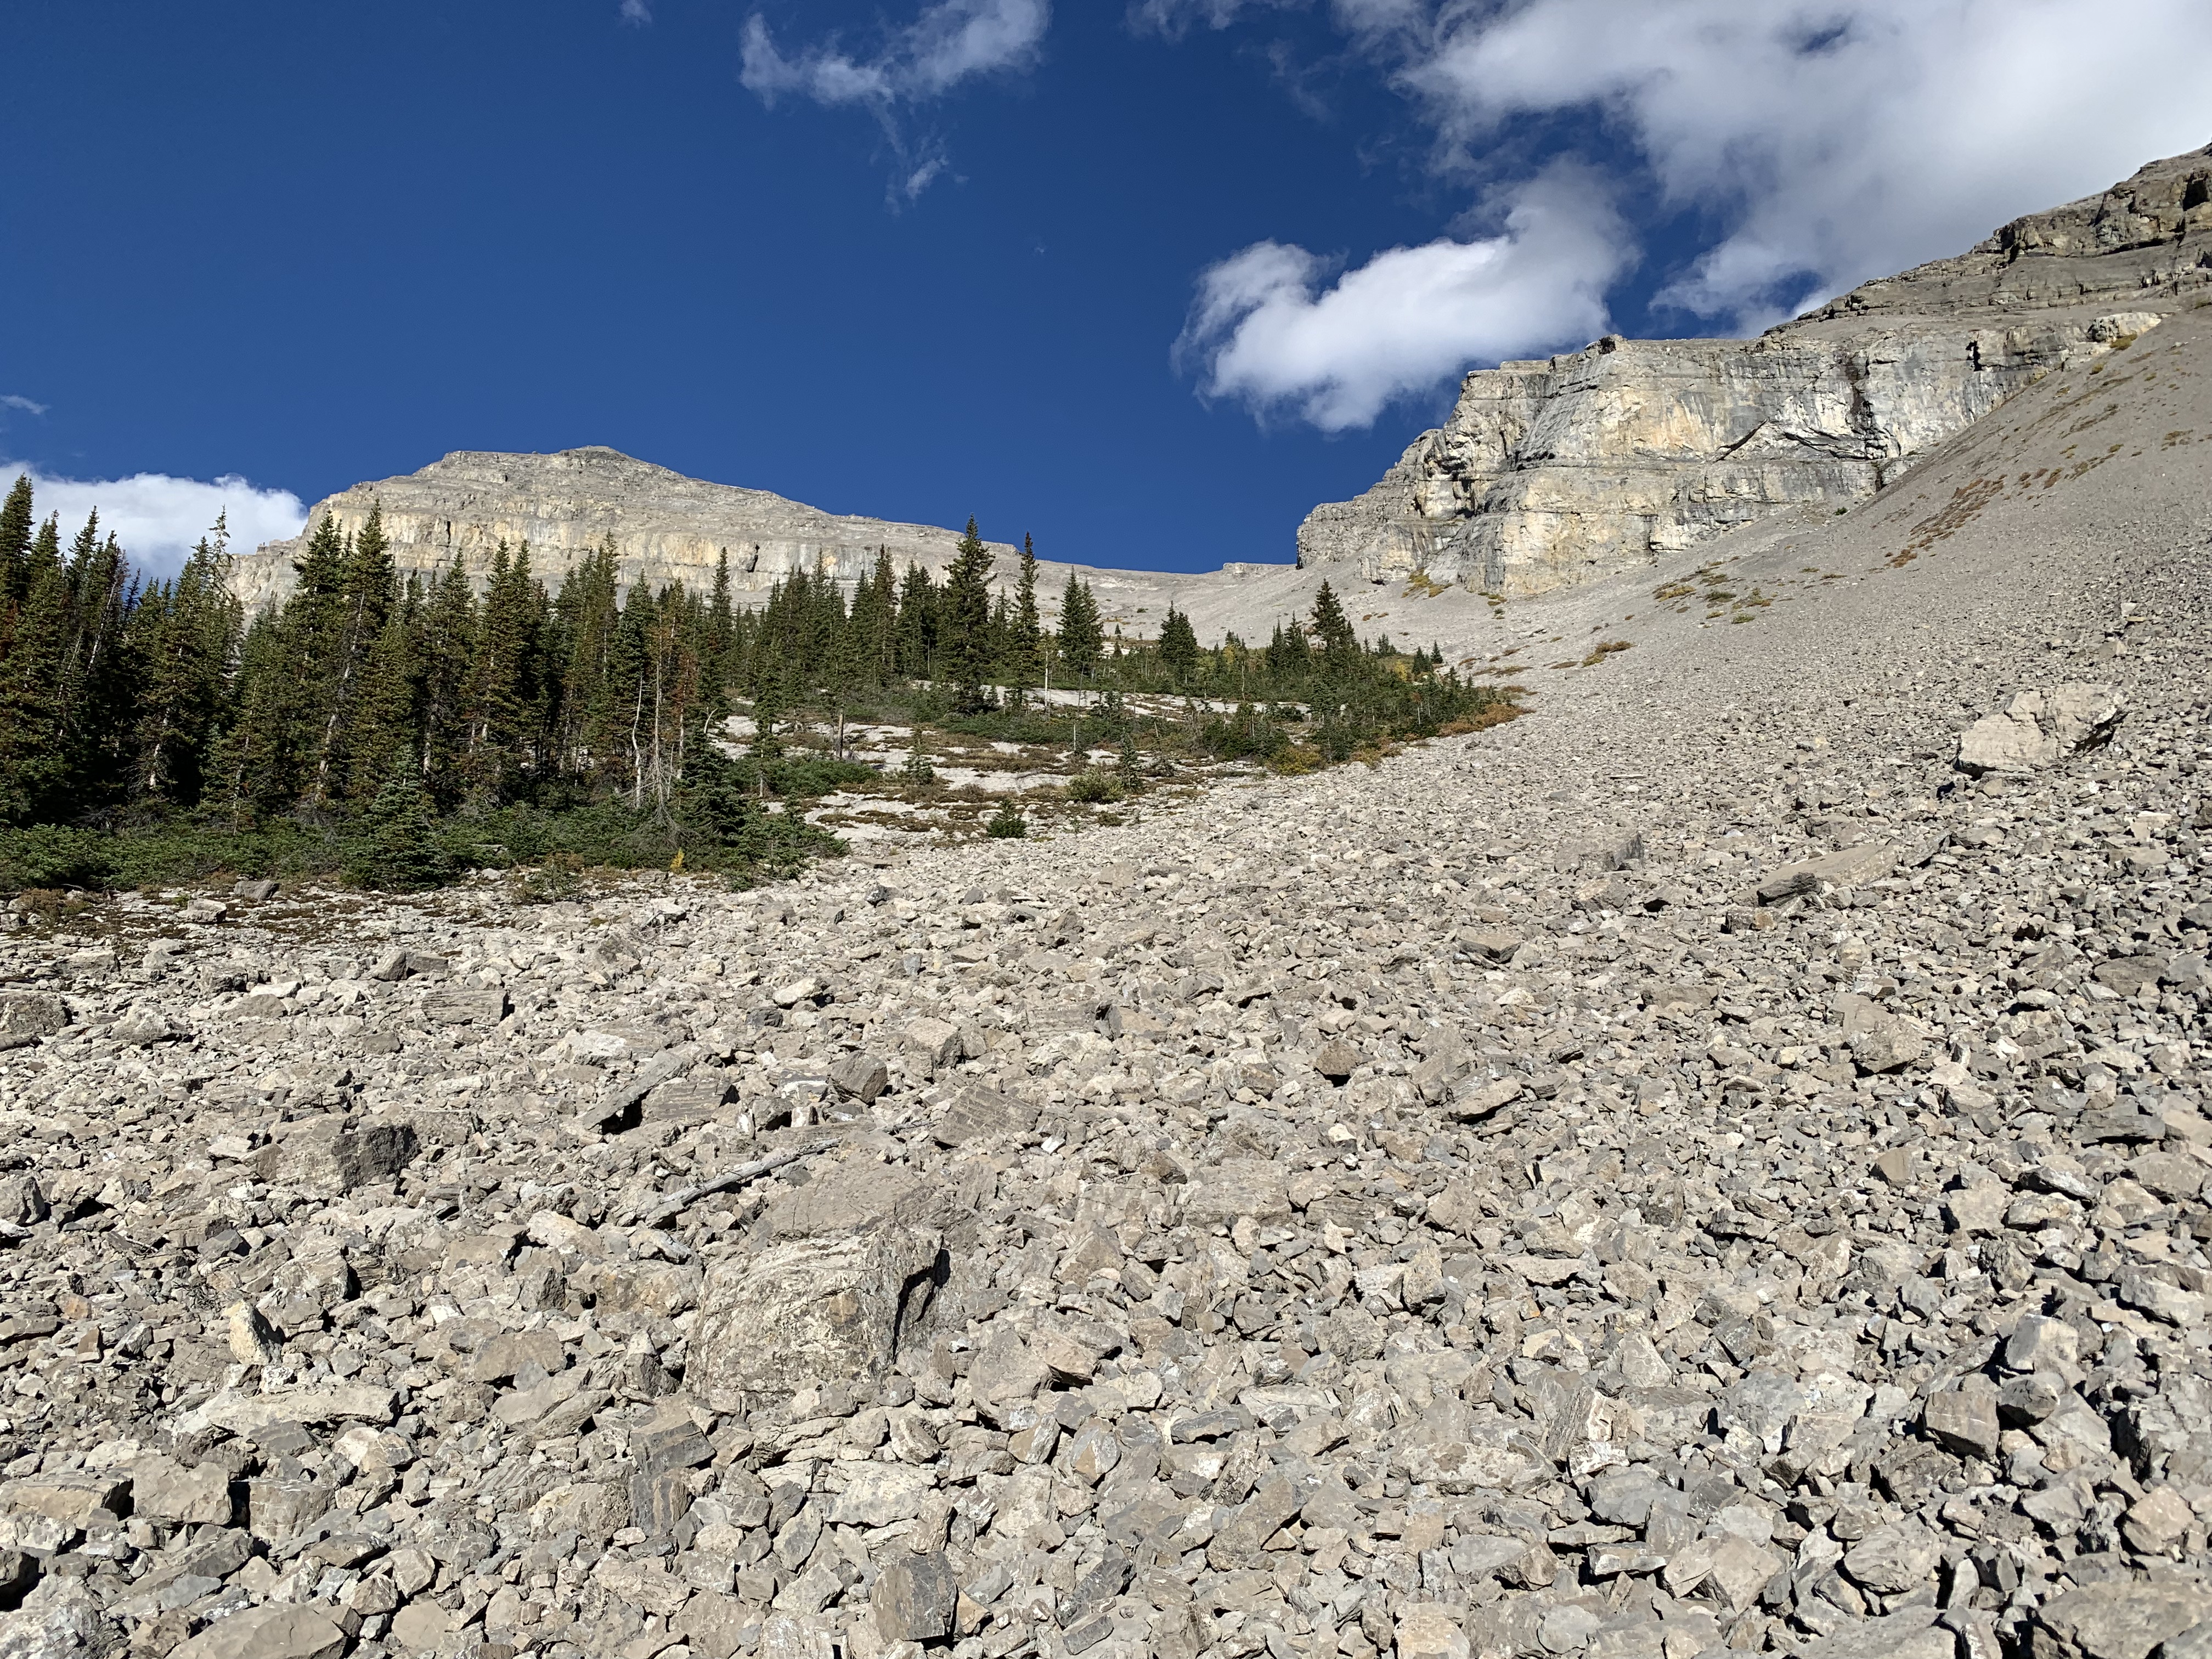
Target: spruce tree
965	653
17	528
387	713
1081	638
1178	648
186	635
352	621
395	845
1333	631
258	760
882	621
33	764
501	692
444	652
1027	645
917	624
95	694
722	638
588	612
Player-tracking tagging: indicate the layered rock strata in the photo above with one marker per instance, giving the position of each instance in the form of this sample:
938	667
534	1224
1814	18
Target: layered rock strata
1557	471
665	527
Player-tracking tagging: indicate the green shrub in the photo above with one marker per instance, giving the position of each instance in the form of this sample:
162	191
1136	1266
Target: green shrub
51	855
395	845
1007	823
1129	771
560	877
1091	787
917	773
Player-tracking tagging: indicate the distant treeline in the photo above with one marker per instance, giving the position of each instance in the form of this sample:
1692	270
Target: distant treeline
370	694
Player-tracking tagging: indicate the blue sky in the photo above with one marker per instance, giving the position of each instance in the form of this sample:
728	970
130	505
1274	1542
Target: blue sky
1147	282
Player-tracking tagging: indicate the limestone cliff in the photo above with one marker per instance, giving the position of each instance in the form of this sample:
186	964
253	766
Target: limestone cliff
665	526
1561	470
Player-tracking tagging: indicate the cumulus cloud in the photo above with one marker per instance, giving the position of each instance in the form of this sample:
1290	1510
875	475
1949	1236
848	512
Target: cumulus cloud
157	518
1270	330
637	13
1826	141
16	400
1838	139
952	41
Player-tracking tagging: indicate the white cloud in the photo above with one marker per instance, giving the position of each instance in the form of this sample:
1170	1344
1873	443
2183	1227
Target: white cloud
637	13
1840	139
16	400
1173	18
952	41
157	518
1828	141
1265	330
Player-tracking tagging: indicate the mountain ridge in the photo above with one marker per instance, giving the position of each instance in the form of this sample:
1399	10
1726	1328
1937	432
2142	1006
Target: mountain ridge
1551	473
1554	472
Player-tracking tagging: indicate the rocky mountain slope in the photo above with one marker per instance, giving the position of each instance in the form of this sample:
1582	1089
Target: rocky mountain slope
1555	472
1550	474
1692	1171
665	527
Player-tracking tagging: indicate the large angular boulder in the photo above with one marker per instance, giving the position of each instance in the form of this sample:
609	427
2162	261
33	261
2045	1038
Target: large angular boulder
809	1311
331	1155
25	1016
855	1265
2036	729
2117	1620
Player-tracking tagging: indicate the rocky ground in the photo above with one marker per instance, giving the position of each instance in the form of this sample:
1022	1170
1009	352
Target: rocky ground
970	779
1693	1170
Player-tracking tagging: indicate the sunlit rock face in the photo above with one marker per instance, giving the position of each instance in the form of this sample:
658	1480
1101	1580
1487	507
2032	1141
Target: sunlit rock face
665	527
1563	470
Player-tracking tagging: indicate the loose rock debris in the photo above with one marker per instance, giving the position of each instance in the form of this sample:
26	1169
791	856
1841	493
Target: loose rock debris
1451	1208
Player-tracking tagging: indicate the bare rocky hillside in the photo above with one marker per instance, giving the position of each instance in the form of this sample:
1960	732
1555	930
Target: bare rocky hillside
1716	1165
665	528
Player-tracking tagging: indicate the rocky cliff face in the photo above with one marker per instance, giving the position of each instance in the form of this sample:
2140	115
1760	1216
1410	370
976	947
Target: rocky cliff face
665	527
1561	470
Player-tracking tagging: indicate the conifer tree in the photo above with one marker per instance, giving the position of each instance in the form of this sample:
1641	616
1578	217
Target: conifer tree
33	767
1340	645
354	618
387	713
1081	639
1027	648
258	760
444	652
917	624
721	640
1178	648
589	612
185	637
965	652
395	846
17	528
501	687
879	621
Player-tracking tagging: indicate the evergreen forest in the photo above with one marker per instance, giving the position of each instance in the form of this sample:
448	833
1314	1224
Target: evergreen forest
398	728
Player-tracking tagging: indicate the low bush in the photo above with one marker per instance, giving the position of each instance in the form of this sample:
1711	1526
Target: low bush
52	855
